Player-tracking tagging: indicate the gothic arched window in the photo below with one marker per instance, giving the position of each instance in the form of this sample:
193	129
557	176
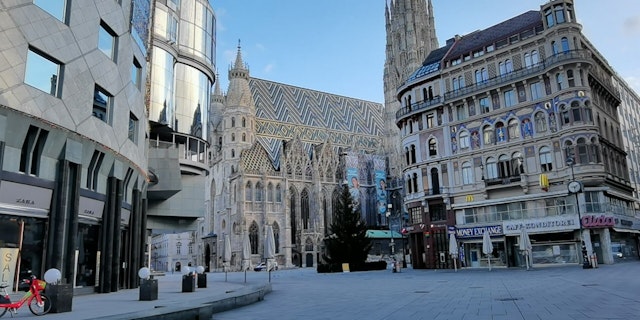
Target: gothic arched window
276	236
253	237
304	198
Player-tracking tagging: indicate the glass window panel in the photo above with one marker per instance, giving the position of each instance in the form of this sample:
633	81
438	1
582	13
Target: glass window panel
55	8
133	127
106	41
101	104
42	73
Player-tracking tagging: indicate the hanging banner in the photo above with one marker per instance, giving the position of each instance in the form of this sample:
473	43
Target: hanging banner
8	262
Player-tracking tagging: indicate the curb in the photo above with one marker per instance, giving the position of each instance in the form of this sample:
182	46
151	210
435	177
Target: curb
202	308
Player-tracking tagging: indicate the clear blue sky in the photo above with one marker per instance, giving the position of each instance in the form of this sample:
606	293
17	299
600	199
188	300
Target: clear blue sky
338	46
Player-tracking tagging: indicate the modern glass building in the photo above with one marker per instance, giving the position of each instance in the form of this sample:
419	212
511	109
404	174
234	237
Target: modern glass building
180	89
73	141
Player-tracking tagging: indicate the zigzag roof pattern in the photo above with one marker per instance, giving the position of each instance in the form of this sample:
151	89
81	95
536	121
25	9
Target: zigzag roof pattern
284	112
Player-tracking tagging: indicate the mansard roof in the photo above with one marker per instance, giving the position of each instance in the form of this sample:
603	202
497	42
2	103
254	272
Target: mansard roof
285	112
482	38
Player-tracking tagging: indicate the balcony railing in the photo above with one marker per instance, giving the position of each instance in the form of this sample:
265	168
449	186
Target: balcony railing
562	57
502	181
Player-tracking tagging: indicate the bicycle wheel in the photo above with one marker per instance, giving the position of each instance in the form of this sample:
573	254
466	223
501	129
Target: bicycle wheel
3	311
40	309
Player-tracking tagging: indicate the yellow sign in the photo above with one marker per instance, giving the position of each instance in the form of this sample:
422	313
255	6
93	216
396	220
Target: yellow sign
345	267
8	263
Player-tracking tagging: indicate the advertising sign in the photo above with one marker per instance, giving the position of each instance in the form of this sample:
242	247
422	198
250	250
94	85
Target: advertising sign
8	264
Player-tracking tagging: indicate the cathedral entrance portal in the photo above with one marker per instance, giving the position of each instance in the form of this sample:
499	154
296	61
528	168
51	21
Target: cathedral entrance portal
309	260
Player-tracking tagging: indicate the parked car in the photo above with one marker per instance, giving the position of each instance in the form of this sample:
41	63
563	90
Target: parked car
263	266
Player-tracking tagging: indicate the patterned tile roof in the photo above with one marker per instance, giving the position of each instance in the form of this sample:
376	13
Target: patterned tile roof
284	112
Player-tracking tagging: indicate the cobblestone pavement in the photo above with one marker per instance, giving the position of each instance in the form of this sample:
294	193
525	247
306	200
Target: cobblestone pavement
544	293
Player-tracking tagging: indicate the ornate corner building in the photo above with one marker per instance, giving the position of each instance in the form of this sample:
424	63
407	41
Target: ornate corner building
496	124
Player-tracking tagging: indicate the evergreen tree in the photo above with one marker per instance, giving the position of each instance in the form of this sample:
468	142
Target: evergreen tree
347	241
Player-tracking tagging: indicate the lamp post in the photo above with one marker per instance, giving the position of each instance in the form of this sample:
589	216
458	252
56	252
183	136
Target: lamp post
389	219
575	187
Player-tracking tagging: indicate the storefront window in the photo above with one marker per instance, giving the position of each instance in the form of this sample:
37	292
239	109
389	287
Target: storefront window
13	229
86	249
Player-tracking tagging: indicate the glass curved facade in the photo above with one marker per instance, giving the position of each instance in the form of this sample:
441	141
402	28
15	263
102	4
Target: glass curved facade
192	99
162	108
197	30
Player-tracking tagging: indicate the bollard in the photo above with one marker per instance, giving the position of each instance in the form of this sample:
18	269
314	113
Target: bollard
202	280
149	289
188	283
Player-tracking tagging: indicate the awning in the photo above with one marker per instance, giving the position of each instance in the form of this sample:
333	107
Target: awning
626	230
383	234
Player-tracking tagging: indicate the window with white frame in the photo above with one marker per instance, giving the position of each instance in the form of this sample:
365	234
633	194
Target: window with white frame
546	161
464	139
505	67
467	173
565	44
560	80
492	168
485	106
510	98
531	59
536	90
460	112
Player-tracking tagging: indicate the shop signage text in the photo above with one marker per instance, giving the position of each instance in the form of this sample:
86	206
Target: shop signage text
476	232
601	221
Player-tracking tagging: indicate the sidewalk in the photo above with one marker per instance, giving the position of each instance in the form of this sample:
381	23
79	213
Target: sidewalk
172	303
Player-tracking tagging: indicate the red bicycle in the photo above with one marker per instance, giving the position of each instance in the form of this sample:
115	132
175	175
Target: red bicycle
38	302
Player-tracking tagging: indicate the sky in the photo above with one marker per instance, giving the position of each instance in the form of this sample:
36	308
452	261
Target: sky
338	46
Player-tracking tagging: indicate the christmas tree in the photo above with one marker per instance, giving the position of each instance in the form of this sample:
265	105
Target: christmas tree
347	241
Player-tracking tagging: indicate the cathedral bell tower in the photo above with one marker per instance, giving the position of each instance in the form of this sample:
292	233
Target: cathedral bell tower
411	35
239	113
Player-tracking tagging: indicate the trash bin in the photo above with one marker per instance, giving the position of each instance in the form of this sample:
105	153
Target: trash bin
398	266
188	283
149	290
60	296
202	280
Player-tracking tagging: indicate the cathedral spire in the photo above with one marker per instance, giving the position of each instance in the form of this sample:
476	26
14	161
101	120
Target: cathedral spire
239	69
411	36
239	63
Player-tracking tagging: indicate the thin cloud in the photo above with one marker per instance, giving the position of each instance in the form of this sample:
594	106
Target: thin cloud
268	68
260	47
631	26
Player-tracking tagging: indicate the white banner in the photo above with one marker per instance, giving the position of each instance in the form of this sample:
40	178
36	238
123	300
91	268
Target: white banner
8	265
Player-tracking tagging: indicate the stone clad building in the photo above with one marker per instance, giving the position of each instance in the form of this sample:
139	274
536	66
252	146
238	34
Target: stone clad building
495	125
73	142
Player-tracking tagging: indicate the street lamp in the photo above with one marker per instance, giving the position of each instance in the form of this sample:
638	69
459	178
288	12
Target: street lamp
575	187
392	244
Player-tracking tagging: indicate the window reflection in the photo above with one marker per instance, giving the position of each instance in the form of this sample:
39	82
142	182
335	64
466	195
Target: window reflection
55	8
101	104
133	127
42	72
106	40
136	72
